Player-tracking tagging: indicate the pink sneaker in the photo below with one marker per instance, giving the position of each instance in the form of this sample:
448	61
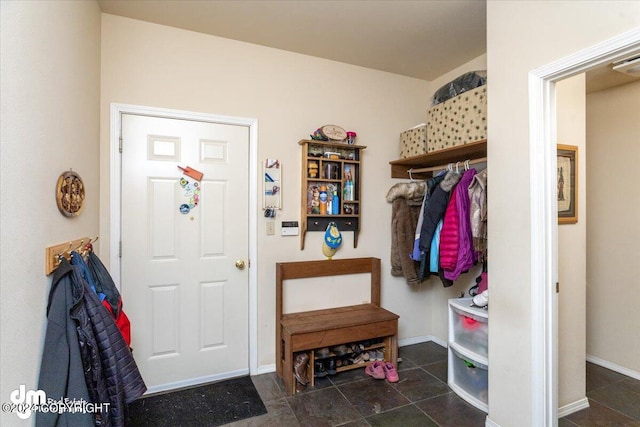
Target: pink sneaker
375	370
390	372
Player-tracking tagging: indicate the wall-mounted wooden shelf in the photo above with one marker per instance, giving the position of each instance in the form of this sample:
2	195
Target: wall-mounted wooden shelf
473	150
345	163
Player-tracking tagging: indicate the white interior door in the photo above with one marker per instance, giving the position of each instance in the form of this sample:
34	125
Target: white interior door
181	240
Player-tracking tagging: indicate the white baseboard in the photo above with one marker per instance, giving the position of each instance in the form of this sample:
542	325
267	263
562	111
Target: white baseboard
440	342
413	340
617	368
562	412
418	340
265	369
576	406
488	422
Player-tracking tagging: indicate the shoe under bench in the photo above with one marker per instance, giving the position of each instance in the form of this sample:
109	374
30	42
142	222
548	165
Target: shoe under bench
307	331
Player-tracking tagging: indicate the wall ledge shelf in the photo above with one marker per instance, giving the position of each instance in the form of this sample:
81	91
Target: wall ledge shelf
473	150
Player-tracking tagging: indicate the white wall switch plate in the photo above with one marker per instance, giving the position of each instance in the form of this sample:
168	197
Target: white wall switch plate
271	228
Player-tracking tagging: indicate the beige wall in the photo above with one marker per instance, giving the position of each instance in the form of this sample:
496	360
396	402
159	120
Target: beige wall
613	283
571	127
290	95
50	89
521	36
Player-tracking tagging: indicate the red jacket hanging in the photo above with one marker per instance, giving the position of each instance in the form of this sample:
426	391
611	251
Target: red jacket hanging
466	255
112	300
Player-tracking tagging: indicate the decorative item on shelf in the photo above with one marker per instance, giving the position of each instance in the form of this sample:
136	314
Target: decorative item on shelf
313	195
312	168
323	200
351	137
335	203
331	170
331	155
70	194
333	132
315	151
348	184
331	241
318	136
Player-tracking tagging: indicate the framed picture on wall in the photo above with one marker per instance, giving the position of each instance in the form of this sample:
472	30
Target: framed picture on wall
567	184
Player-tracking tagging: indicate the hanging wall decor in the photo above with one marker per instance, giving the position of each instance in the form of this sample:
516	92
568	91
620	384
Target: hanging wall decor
567	184
272	186
70	194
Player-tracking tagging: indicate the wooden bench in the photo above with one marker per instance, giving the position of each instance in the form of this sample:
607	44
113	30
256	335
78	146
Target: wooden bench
311	330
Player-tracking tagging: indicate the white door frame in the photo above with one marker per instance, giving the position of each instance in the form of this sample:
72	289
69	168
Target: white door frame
544	226
116	112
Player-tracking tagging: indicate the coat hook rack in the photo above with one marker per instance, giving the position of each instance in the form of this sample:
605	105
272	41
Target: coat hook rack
53	253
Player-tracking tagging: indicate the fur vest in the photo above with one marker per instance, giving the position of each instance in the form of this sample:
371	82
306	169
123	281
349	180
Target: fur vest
407	202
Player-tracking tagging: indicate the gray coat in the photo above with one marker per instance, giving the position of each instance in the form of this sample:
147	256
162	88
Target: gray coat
61	371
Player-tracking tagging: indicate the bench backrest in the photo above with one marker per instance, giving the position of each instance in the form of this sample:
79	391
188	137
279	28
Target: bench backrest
325	268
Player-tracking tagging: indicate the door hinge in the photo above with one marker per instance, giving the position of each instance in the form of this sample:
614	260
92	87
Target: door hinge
120	249
120	145
557	287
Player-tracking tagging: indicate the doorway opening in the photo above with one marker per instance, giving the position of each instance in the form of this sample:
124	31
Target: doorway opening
544	238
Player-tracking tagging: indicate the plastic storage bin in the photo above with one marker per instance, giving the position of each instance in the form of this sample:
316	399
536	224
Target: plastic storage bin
470	327
468	352
469	379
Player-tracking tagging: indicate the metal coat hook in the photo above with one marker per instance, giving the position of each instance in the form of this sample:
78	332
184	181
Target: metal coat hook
65	251
77	248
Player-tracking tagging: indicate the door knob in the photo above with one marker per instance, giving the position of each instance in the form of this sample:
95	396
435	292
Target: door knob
240	264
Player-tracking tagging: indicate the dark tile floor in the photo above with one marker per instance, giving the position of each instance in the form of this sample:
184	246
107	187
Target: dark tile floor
422	398
614	400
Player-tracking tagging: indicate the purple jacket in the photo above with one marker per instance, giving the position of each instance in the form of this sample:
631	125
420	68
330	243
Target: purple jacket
467	257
